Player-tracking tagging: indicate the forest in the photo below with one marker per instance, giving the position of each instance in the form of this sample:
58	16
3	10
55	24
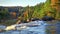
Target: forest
38	11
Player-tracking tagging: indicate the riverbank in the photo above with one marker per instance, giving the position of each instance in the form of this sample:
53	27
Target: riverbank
11	22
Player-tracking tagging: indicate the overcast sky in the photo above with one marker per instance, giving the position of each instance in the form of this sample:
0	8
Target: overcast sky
20	2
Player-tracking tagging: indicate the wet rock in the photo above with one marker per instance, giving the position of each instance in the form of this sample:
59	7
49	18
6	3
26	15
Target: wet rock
46	18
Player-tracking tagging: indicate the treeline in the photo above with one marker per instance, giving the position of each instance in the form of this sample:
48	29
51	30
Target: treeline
40	10
4	14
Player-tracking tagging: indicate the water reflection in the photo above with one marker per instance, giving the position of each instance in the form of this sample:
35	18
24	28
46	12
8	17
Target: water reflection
53	27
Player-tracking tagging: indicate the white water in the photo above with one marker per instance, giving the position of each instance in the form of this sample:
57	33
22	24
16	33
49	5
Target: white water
40	29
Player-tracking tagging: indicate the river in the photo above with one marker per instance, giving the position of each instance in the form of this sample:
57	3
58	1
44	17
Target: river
43	28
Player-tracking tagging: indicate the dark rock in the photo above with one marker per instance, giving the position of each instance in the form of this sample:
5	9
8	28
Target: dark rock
35	19
46	18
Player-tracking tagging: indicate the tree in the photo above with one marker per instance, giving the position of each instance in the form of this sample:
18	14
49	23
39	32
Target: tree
37	12
4	13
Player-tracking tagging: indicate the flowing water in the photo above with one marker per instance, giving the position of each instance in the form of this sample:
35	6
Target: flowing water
43	28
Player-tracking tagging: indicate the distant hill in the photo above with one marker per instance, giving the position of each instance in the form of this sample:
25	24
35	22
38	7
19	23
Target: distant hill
13	9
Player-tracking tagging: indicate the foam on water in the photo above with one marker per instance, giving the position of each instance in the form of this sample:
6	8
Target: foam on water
31	30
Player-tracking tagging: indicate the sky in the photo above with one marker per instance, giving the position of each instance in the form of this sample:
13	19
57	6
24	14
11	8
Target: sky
20	2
